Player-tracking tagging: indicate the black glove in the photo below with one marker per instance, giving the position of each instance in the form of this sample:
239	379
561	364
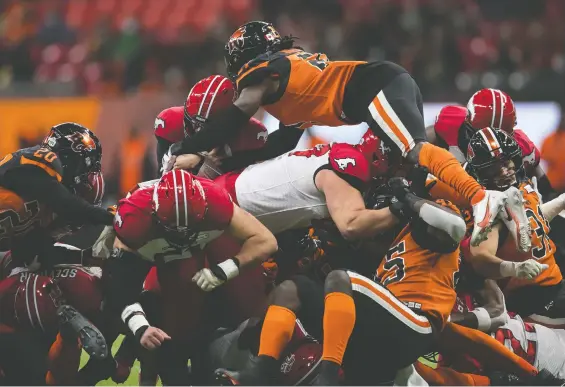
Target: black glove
401	210
399	187
418	176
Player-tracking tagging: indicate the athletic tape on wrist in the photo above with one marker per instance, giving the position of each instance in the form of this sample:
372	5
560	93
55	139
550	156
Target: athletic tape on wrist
483	319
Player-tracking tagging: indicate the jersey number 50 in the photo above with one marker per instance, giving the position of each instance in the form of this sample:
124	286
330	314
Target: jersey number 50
320	61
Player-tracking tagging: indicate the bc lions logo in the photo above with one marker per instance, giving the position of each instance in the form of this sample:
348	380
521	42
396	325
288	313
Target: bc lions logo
81	142
343	163
262	135
159	123
236	41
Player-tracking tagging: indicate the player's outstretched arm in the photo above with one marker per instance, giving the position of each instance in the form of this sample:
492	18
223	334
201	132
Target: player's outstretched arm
347	208
258	244
490	316
33	183
225	124
486	263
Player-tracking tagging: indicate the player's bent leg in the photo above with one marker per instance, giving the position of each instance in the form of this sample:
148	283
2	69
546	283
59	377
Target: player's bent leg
339	321
299	296
277	330
383	325
444	376
456	339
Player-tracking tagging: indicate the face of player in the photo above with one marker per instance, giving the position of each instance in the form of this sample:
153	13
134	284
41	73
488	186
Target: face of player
500	176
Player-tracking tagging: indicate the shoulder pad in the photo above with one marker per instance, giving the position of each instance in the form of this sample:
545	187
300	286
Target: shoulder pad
448	122
256	70
45	159
345	159
169	124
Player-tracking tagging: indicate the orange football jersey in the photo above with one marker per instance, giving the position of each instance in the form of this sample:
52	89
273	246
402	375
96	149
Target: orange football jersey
422	279
311	87
543	248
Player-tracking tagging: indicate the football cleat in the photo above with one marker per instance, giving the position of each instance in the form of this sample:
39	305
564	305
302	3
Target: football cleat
485	213
516	219
71	322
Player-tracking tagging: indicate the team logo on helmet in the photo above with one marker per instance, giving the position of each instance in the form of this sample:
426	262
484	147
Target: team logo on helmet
81	142
237	40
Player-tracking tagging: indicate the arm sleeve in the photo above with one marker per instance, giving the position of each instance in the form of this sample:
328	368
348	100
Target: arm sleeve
281	141
162	148
222	127
32	182
126	272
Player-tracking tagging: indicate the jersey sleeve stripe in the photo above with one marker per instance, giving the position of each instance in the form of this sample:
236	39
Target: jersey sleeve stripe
6	159
387	300
47	169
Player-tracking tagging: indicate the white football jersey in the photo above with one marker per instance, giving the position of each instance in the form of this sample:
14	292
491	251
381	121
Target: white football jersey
542	347
281	192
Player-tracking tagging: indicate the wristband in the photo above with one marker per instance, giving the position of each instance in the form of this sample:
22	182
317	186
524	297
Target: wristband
483	319
230	268
508	269
134	317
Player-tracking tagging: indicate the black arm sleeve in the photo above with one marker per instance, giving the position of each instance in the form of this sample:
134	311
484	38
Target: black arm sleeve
32	182
544	187
281	141
126	272
222	127
162	148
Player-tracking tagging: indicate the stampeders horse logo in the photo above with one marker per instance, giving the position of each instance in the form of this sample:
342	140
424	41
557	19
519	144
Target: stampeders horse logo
262	135
343	163
286	366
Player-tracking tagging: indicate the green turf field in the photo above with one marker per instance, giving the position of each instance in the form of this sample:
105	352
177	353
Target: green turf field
133	378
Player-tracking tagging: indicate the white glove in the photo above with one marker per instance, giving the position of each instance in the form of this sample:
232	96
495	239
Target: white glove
104	245
529	269
210	279
168	162
206	280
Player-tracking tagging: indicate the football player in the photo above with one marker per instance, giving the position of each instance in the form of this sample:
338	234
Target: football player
38	183
165	223
534	282
236	349
207	97
455	125
323	182
301	88
411	298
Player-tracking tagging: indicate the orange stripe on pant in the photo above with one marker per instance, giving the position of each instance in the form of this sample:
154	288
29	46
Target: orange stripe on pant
392	125
391	303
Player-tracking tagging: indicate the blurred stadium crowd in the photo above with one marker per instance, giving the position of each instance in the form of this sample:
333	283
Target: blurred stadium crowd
108	47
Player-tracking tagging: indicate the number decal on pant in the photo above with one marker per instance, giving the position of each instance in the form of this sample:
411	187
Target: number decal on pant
319	61
505	336
393	267
541	229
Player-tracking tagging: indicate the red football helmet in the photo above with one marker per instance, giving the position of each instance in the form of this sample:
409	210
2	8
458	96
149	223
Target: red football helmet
92	188
207	96
36	301
179	204
492	108
376	152
300	362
